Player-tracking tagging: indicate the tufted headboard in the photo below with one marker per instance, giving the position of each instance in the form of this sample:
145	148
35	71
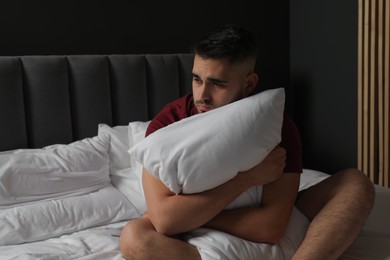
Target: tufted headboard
60	99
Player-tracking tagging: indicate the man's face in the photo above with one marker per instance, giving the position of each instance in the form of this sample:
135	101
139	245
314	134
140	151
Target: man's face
216	83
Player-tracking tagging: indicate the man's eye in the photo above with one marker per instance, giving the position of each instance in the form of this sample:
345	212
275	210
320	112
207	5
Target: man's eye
196	79
218	84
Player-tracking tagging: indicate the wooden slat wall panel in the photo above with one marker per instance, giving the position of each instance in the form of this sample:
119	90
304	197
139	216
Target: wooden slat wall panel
373	89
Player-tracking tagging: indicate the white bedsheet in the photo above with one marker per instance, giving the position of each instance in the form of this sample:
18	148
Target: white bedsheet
103	242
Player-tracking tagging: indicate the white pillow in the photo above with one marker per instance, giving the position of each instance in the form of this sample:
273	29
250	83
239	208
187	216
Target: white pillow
55	171
136	133
137	130
131	187
310	177
205	150
47	219
123	170
119	144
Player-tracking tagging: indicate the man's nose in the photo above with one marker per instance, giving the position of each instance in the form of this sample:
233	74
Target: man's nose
204	92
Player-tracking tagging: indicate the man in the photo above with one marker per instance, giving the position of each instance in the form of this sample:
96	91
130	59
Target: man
223	72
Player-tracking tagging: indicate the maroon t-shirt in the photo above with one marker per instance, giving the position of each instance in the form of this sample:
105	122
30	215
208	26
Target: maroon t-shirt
184	107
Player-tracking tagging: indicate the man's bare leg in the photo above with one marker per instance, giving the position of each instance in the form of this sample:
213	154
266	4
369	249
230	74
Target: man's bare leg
338	208
139	240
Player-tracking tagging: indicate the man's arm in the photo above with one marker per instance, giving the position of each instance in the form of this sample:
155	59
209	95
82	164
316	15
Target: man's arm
266	224
171	214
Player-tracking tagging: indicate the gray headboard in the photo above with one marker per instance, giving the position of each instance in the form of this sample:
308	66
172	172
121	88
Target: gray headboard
60	99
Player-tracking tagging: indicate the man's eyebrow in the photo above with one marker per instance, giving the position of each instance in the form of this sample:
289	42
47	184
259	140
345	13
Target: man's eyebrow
219	81
195	75
214	80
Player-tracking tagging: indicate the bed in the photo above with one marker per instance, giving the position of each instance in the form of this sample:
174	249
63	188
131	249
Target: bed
69	185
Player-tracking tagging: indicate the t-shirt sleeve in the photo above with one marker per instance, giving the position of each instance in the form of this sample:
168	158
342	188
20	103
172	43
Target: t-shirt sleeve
291	141
166	117
172	112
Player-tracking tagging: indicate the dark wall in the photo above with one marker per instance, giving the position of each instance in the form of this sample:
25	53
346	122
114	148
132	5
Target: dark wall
123	26
324	80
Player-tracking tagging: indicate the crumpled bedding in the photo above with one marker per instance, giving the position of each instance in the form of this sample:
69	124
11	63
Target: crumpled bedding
44	220
94	243
103	242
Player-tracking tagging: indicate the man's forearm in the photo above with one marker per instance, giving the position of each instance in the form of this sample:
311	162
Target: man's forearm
268	223
172	214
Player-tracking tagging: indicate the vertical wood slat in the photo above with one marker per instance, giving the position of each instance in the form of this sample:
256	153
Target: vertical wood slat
366	78
363	79
387	94
380	94
360	83
373	89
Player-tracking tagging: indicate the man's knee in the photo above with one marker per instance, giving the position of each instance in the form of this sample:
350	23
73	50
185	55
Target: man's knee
133	239
358	180
351	186
355	183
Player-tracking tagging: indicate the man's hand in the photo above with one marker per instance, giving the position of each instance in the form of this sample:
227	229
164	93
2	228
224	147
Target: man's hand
269	170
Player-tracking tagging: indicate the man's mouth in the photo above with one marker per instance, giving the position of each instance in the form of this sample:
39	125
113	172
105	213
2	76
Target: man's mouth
203	108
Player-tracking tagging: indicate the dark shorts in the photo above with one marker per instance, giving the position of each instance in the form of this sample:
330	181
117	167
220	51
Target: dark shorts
300	193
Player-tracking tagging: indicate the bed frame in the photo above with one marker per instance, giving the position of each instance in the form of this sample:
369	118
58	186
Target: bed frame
60	99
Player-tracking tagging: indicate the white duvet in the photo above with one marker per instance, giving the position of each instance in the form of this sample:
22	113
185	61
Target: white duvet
102	242
44	220
94	243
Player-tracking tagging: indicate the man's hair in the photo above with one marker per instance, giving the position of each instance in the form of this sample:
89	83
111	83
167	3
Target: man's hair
230	42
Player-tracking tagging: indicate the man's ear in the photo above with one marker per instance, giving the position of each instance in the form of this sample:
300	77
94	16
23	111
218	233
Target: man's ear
252	80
